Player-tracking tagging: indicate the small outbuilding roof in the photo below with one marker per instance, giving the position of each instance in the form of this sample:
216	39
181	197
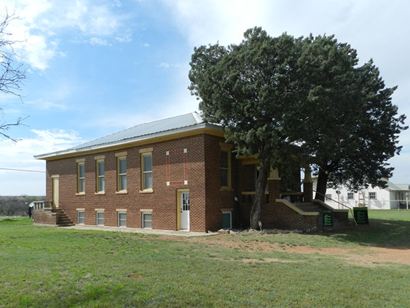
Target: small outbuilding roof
393	186
144	131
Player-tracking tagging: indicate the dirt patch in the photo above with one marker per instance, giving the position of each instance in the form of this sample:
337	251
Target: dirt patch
365	256
361	256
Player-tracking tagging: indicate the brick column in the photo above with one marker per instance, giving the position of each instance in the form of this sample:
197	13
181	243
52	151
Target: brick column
273	185
307	185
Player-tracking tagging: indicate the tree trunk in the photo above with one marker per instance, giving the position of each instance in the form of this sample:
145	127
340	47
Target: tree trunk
260	186
321	185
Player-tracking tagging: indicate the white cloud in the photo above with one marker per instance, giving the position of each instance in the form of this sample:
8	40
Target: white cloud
99	41
55	98
19	155
39	23
46	104
166	65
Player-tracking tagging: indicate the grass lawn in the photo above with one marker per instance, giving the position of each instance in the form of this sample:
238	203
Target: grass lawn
56	267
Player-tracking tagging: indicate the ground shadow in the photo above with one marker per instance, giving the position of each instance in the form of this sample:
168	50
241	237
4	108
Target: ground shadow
378	233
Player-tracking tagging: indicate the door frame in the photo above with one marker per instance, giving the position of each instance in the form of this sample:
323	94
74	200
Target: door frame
55	178
179	193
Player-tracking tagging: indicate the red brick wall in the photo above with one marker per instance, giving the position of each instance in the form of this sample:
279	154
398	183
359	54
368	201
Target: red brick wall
163	199
44	217
216	199
280	216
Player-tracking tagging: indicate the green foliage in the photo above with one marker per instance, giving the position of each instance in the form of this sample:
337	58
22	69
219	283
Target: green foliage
347	124
281	97
16	205
246	88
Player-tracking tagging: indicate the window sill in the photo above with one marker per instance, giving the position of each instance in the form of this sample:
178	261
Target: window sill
100	193
146	191
80	194
225	188
121	192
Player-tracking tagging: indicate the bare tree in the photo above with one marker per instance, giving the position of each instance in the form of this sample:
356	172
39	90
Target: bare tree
11	72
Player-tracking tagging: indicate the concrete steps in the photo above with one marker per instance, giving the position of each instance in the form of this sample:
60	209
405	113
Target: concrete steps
62	220
309	206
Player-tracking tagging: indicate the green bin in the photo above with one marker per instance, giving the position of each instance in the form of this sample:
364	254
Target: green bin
327	219
361	215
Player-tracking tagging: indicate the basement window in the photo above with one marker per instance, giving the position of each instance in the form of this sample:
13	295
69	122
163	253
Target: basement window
99	217
80	217
122	219
146	220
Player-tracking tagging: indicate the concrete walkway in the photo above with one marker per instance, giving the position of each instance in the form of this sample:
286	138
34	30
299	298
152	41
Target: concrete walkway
138	230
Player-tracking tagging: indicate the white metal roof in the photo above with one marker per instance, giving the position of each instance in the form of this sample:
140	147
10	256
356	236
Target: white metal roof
181	123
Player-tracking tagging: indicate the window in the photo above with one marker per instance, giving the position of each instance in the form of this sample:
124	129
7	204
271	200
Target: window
80	217
146	171
80	177
100	175
146	220
122	219
122	173
328	196
350	196
99	218
372	195
225	169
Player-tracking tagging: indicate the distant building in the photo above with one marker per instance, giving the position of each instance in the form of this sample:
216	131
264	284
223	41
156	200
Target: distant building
394	196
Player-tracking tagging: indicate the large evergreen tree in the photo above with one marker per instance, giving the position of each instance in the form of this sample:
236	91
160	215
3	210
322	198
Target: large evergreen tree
274	94
246	88
347	124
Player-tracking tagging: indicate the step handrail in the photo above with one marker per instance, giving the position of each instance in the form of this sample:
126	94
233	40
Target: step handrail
342	204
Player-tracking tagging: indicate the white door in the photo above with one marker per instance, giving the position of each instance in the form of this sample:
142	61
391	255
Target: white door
56	191
184	206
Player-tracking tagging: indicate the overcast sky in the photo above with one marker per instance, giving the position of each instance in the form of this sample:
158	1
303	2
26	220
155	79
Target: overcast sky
94	67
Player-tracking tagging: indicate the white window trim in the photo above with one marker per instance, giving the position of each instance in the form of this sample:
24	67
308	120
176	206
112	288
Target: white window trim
143	212
120	157
82	210
142	154
99	211
98	176
118	218
80	162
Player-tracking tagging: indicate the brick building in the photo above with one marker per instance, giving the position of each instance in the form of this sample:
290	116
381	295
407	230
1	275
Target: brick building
173	174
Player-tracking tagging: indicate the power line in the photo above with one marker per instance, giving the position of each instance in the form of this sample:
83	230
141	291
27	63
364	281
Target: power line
21	170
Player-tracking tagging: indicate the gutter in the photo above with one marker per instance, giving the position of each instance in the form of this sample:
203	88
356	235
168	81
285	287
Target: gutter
141	138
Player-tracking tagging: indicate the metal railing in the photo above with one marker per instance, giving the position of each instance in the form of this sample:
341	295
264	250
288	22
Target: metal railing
43	205
333	200
339	203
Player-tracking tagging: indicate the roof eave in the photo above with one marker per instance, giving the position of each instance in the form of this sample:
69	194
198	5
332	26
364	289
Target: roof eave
146	138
